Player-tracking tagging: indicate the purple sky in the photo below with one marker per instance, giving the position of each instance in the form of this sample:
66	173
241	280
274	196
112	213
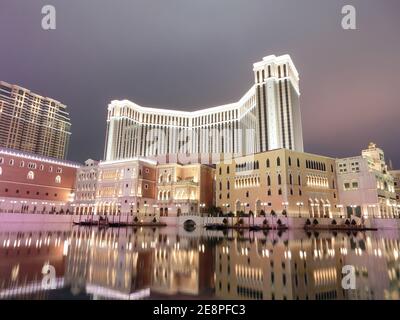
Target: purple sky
189	54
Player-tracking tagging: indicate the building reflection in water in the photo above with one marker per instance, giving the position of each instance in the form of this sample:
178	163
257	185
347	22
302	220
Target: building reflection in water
22	257
129	264
161	263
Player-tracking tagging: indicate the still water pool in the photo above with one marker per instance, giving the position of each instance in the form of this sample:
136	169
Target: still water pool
170	263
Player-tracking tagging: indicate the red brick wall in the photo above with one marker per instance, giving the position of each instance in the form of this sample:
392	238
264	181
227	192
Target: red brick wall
14	181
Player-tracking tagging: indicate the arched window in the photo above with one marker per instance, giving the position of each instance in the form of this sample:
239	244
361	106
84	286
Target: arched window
298	162
228	185
31	175
290	161
279	179
268	163
220	170
291	179
227	169
58	179
278	162
220	185
268	180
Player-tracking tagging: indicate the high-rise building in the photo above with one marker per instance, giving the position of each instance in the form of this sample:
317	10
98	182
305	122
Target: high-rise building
267	117
32	123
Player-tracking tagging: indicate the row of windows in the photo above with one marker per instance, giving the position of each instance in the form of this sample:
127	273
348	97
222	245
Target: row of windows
6	190
255	165
31	176
30	165
316	165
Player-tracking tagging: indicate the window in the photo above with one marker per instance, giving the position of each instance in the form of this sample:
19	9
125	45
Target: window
1	160
278	162
21	164
58	179
268	164
354	185
290	161
41	167
11	162
227	169
147	170
298	162
1	171
220	170
59	170
146	186
50	169
30	175
31	165
279	179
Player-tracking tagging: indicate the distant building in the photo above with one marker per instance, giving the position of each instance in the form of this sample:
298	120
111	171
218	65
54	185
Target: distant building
30	183
267	117
366	188
300	183
32	123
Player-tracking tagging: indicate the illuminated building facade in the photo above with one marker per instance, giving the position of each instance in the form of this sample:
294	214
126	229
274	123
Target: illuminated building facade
143	188
32	123
85	187
30	183
300	183
186	189
267	117
366	188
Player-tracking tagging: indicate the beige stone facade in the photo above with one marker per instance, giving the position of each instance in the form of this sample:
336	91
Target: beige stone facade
184	189
300	183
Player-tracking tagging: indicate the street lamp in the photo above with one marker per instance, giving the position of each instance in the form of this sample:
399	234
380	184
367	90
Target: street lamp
154	211
353	206
202	206
285	205
300	204
340	207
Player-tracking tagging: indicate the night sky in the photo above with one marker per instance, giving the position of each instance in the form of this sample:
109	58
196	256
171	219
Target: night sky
188	55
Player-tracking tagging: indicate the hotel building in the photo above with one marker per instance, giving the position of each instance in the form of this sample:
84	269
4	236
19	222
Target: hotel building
267	117
30	183
303	184
32	123
366	188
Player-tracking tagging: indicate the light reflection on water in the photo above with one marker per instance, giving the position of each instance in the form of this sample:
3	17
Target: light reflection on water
172	263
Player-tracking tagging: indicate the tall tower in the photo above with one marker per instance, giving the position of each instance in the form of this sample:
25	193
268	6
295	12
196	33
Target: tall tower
32	123
278	107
